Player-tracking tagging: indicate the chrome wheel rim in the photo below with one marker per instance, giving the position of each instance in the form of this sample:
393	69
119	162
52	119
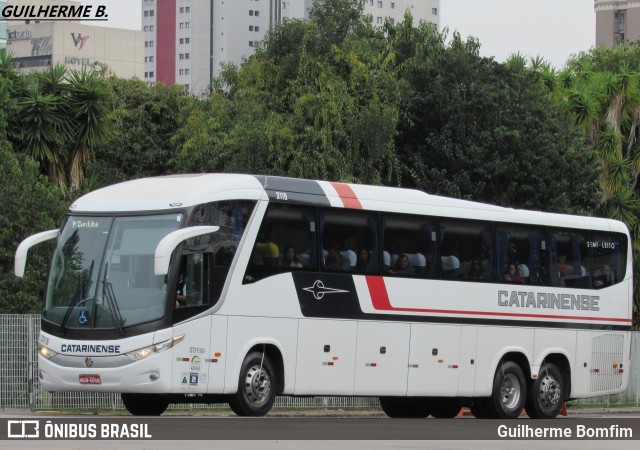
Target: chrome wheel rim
257	385
510	392
550	392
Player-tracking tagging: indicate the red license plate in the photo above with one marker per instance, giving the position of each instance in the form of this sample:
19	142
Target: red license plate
90	379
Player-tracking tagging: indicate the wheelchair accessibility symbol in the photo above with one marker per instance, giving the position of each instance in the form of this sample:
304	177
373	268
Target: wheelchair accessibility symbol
83	318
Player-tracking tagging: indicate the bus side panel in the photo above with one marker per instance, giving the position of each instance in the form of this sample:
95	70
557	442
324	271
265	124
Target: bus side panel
607	363
190	370
495	343
434	360
382	357
582	367
326	357
218	354
468	358
245	333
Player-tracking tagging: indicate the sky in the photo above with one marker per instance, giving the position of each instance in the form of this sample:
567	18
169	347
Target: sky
552	29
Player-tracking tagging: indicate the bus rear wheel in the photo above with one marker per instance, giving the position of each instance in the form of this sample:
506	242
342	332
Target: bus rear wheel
509	393
547	394
257	386
144	404
405	407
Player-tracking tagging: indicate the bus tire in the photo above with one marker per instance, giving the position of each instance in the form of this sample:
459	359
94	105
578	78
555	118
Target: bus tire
257	386
477	408
509	392
144	404
546	393
405	407
445	408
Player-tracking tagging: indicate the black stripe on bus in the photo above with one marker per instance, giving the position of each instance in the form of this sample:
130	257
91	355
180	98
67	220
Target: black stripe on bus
333	296
294	190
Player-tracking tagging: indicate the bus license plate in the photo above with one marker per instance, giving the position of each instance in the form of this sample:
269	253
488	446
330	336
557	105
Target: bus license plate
90	379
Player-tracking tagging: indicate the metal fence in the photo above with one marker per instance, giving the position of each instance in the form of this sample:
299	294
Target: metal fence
20	386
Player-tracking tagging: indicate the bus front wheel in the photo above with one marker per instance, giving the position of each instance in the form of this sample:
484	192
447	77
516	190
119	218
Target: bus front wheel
547	392
144	404
257	386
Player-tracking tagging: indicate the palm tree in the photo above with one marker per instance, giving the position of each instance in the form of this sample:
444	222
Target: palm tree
88	95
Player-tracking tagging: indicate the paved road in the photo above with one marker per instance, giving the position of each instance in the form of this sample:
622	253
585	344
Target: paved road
178	432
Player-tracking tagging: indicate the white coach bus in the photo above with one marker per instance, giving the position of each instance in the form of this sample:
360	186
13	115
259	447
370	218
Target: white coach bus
237	288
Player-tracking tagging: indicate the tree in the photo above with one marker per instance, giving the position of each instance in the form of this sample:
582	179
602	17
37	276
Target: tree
29	204
490	132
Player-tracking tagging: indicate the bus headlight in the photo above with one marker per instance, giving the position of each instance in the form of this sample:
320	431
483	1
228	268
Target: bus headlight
46	352
145	352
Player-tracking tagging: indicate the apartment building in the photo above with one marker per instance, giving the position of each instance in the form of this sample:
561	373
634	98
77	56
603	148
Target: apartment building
187	41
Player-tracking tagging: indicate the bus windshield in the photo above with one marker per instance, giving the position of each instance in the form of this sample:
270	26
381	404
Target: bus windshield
102	272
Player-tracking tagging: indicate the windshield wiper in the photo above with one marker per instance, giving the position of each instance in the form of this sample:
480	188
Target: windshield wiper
112	302
79	297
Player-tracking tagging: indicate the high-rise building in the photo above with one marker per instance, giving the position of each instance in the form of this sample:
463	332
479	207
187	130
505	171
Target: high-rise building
187	41
617	21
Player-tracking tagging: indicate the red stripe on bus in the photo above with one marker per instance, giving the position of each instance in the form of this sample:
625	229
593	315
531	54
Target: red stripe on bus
381	302
348	197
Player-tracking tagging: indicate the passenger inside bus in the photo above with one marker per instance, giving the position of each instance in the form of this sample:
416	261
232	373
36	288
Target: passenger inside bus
511	275
290	258
403	267
364	261
181	290
336	260
476	270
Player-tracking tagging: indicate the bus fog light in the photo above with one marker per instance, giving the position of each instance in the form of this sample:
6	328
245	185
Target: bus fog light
154	376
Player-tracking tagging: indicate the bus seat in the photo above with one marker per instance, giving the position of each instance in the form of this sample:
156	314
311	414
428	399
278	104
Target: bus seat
351	256
304	259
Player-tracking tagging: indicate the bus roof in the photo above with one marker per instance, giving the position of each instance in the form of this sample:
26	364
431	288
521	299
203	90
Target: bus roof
179	191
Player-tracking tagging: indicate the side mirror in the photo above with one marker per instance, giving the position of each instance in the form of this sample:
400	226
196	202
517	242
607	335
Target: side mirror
20	260
169	243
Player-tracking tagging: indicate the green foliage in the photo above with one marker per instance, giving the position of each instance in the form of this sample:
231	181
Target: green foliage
29	204
485	131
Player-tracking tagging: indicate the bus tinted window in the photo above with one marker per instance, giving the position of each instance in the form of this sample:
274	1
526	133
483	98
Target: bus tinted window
569	258
347	234
521	255
286	241
412	238
466	250
608	258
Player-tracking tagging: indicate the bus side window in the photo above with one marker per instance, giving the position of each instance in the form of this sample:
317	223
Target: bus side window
568	259
524	248
410	237
348	238
608	258
464	244
286	242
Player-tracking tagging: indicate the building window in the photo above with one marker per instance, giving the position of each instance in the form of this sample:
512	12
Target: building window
434	11
186	71
181	25
257	28
181	9
186	56
151	74
250	43
146	28
151	27
181	71
146	13
250	27
187	9
393	5
379	20
152	13
146	74
186	24
151	58
181	56
379	4
181	40
187	40
257	13
251	12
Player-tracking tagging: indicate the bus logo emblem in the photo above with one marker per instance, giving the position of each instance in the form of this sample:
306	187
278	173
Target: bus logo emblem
319	290
88	362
